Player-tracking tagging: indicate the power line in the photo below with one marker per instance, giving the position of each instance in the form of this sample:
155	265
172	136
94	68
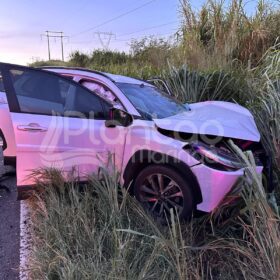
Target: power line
131	33
148	28
139	37
126	40
114	18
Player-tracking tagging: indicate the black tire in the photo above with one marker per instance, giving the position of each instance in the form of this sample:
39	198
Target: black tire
180	194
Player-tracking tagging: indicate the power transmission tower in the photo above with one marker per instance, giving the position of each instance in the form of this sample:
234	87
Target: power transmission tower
55	34
105	38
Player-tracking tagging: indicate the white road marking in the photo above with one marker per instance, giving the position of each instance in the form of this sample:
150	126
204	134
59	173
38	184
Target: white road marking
25	239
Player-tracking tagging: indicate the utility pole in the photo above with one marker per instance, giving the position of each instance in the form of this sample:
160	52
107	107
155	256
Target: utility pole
105	38
62	49
55	34
49	50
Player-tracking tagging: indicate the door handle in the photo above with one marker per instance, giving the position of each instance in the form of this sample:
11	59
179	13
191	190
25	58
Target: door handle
32	127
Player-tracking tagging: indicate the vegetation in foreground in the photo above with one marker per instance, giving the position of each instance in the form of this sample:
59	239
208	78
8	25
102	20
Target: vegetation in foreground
98	231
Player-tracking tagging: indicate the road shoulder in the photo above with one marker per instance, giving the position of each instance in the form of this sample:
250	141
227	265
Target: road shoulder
9	231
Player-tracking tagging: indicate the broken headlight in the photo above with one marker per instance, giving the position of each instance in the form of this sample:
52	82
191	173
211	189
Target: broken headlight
222	157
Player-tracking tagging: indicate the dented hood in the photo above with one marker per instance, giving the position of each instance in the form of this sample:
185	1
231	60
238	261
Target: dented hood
215	118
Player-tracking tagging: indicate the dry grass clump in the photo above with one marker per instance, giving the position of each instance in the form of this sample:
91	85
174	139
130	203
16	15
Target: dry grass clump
222	33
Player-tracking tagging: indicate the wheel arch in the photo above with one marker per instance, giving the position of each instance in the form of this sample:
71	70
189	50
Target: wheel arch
144	158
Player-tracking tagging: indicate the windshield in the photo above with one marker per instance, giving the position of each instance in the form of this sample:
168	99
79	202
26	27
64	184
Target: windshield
151	102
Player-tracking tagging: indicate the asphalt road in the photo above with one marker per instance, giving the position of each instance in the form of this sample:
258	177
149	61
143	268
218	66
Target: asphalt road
9	232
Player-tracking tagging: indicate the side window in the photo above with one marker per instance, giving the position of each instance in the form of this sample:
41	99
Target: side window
38	92
102	91
64	87
43	93
81	102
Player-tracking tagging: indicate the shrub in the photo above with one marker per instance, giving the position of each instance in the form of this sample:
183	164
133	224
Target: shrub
79	59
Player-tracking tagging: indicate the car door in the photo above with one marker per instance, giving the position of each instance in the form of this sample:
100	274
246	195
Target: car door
90	142
108	142
57	123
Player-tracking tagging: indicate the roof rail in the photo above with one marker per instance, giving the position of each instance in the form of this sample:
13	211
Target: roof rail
79	69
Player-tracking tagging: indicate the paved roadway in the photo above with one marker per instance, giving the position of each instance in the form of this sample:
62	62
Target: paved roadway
9	232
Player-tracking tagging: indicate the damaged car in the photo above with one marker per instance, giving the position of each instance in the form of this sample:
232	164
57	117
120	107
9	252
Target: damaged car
170	155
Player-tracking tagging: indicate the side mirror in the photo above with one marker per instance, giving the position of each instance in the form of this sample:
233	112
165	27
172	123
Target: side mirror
118	117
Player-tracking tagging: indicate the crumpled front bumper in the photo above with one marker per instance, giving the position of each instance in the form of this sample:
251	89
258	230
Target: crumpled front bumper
215	184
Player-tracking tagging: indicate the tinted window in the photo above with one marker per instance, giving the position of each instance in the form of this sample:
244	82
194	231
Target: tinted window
104	92
38	92
44	93
64	88
100	90
81	102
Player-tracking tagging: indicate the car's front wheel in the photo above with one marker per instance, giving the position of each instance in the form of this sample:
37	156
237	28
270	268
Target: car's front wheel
160	188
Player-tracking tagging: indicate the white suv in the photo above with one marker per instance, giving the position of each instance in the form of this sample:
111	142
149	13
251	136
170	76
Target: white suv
171	155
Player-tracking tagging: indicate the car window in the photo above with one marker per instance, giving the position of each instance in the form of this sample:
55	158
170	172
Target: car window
81	102
37	92
64	88
44	93
101	91
151	102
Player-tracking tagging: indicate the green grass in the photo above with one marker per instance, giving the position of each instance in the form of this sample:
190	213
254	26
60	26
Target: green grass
98	231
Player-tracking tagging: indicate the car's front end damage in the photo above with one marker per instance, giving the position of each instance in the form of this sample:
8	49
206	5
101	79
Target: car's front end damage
219	167
220	170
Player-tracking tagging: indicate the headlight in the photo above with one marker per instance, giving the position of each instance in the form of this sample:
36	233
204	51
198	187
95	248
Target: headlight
215	157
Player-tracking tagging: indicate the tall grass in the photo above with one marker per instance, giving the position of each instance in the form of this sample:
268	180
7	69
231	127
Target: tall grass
264	103
222	32
98	231
194	86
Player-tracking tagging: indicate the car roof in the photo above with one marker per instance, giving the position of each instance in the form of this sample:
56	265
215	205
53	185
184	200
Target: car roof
91	73
124	79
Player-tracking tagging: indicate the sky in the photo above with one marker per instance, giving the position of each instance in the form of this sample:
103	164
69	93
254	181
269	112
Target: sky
22	22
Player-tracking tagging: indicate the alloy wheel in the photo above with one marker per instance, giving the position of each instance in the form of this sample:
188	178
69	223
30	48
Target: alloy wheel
161	194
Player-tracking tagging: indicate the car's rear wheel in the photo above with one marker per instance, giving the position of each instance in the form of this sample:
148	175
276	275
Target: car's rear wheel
160	188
